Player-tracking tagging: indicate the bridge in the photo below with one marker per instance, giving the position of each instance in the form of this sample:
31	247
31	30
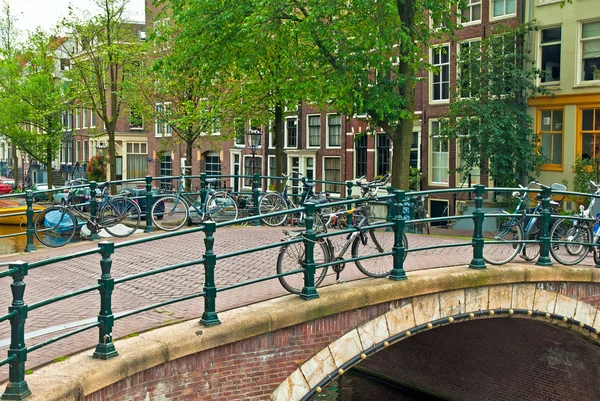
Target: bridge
291	346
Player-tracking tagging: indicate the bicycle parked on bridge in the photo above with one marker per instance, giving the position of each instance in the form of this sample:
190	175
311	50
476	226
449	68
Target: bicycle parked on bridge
172	211
57	225
364	241
279	201
572	239
504	243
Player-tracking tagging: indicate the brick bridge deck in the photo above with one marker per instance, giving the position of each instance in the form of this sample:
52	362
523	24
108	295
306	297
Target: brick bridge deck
56	279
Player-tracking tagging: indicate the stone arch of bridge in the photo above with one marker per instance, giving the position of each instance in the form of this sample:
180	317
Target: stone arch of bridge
428	312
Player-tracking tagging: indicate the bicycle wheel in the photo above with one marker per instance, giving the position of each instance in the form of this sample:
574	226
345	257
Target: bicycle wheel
271	203
531	250
55	226
596	252
221	207
169	213
120	217
373	242
504	249
291	258
566	231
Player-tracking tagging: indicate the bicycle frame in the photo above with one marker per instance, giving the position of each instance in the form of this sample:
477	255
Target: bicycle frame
197	204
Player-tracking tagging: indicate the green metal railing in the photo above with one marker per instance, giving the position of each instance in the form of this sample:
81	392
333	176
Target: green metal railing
395	220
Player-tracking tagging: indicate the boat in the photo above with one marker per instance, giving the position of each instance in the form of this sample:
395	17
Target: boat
51	221
14	213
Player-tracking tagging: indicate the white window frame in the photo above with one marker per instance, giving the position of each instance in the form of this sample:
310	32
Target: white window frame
505	15
470	4
458	177
165	130
327	144
285	133
308	145
432	49
430	166
579	70
78	118
325	186
257	161
92	119
458	67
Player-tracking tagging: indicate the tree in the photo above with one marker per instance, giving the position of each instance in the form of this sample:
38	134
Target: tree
105	47
256	51
33	100
488	118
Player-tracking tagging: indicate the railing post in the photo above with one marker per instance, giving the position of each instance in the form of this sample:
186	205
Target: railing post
309	290
397	272
30	247
202	188
209	317
255	197
106	348
478	215
544	259
149	228
17	388
349	185
390	208
93	208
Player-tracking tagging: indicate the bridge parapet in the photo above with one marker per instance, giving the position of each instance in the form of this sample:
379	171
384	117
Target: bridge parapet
287	348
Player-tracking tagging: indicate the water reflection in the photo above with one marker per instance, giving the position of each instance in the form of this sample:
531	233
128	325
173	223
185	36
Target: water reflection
352	386
16	243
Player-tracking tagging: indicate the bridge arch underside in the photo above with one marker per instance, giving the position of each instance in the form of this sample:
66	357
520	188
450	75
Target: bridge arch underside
491	359
286	348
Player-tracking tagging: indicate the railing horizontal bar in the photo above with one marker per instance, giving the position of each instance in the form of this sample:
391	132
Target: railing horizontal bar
58	338
160	304
7	273
7	360
426	248
159	236
255	281
45	262
7	316
257	249
158	271
438	191
63	296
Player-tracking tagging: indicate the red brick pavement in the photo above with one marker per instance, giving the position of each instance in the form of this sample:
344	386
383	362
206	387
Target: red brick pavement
60	278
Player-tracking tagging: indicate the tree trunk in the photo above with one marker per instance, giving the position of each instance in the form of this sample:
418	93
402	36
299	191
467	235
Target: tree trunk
278	141
189	147
48	162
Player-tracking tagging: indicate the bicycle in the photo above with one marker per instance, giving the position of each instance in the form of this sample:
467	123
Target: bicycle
364	241
509	233
57	225
570	237
172	211
421	213
279	201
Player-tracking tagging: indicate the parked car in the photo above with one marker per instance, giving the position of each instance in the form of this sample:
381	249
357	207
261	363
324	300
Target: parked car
139	195
5	188
40	196
78	195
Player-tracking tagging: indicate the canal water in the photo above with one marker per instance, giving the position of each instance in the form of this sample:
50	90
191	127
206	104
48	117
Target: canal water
17	243
353	386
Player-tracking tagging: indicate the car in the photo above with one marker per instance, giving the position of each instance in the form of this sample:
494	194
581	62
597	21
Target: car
40	196
78	196
5	188
139	195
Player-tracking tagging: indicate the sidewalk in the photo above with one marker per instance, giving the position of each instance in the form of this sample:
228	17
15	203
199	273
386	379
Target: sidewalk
53	280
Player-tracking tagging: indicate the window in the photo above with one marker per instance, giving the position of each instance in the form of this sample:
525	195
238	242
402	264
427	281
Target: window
440	77
503	8
135	121
439	156
332	172
468	69
314	131
551	135
212	165
240	135
137	160
472	13
65	64
162	128
383	143
92	119
415	150
272	171
550	54
590	51
360	152
86	151
590	133
67	120
166	170
248	168
334	130
291	133
468	175
503	47
77	118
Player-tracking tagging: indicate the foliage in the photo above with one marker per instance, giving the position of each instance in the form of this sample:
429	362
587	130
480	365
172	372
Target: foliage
488	117
586	170
96	169
415	179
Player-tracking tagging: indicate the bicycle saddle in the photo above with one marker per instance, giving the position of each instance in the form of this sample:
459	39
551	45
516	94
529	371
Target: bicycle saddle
309	184
316	201
103	185
210	180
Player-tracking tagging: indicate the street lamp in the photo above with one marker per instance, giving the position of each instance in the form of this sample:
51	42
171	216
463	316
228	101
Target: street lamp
101	148
254	135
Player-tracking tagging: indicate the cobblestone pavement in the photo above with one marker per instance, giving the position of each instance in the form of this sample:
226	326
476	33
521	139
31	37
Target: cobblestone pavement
64	277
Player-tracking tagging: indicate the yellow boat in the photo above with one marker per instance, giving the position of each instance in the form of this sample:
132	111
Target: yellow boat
15	216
